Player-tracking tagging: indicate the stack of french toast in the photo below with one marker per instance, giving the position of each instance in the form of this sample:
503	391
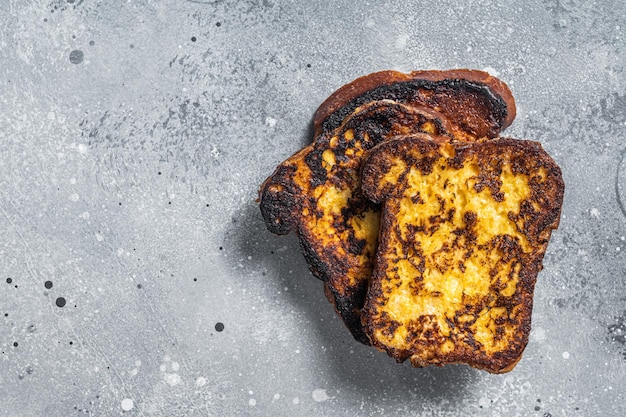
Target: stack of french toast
427	228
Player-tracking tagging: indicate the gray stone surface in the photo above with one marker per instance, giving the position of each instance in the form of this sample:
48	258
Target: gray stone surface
134	135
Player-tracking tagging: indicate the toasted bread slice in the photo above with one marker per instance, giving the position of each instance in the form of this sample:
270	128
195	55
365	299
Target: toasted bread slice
463	232
316	191
479	104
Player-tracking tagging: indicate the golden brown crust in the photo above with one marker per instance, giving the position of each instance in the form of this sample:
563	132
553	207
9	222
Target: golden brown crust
463	233
337	227
449	92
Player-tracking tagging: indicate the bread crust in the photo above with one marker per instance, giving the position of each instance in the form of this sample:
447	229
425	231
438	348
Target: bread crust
463	233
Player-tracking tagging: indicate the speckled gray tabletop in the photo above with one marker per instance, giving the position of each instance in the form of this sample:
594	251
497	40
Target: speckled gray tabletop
137	277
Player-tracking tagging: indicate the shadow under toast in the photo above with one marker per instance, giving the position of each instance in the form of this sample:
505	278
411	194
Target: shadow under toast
350	365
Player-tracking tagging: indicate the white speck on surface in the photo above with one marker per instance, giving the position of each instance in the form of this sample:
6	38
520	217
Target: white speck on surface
250	392
201	381
84	215
484	402
277	396
565	355
175	366
162	368
595	213
134	372
252	402
82	148
127	404
137	363
402	40
270	121
74	197
538	334
99	237
296	400
319	395
491	71
172	379
166	358
51	115
72	180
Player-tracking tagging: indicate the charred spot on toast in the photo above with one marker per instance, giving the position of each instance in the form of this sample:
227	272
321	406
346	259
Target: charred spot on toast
278	200
348	307
456	266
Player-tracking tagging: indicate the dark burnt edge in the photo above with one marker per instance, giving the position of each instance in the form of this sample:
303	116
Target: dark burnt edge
348	307
313	160
277	208
403	90
317	266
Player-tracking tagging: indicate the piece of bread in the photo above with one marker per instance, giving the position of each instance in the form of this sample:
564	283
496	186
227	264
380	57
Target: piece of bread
316	191
478	104
463	232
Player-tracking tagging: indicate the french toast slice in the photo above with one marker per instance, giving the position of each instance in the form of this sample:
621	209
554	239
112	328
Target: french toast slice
479	104
316	191
463	233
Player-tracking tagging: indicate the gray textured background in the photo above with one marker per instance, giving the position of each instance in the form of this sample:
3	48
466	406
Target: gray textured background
134	135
